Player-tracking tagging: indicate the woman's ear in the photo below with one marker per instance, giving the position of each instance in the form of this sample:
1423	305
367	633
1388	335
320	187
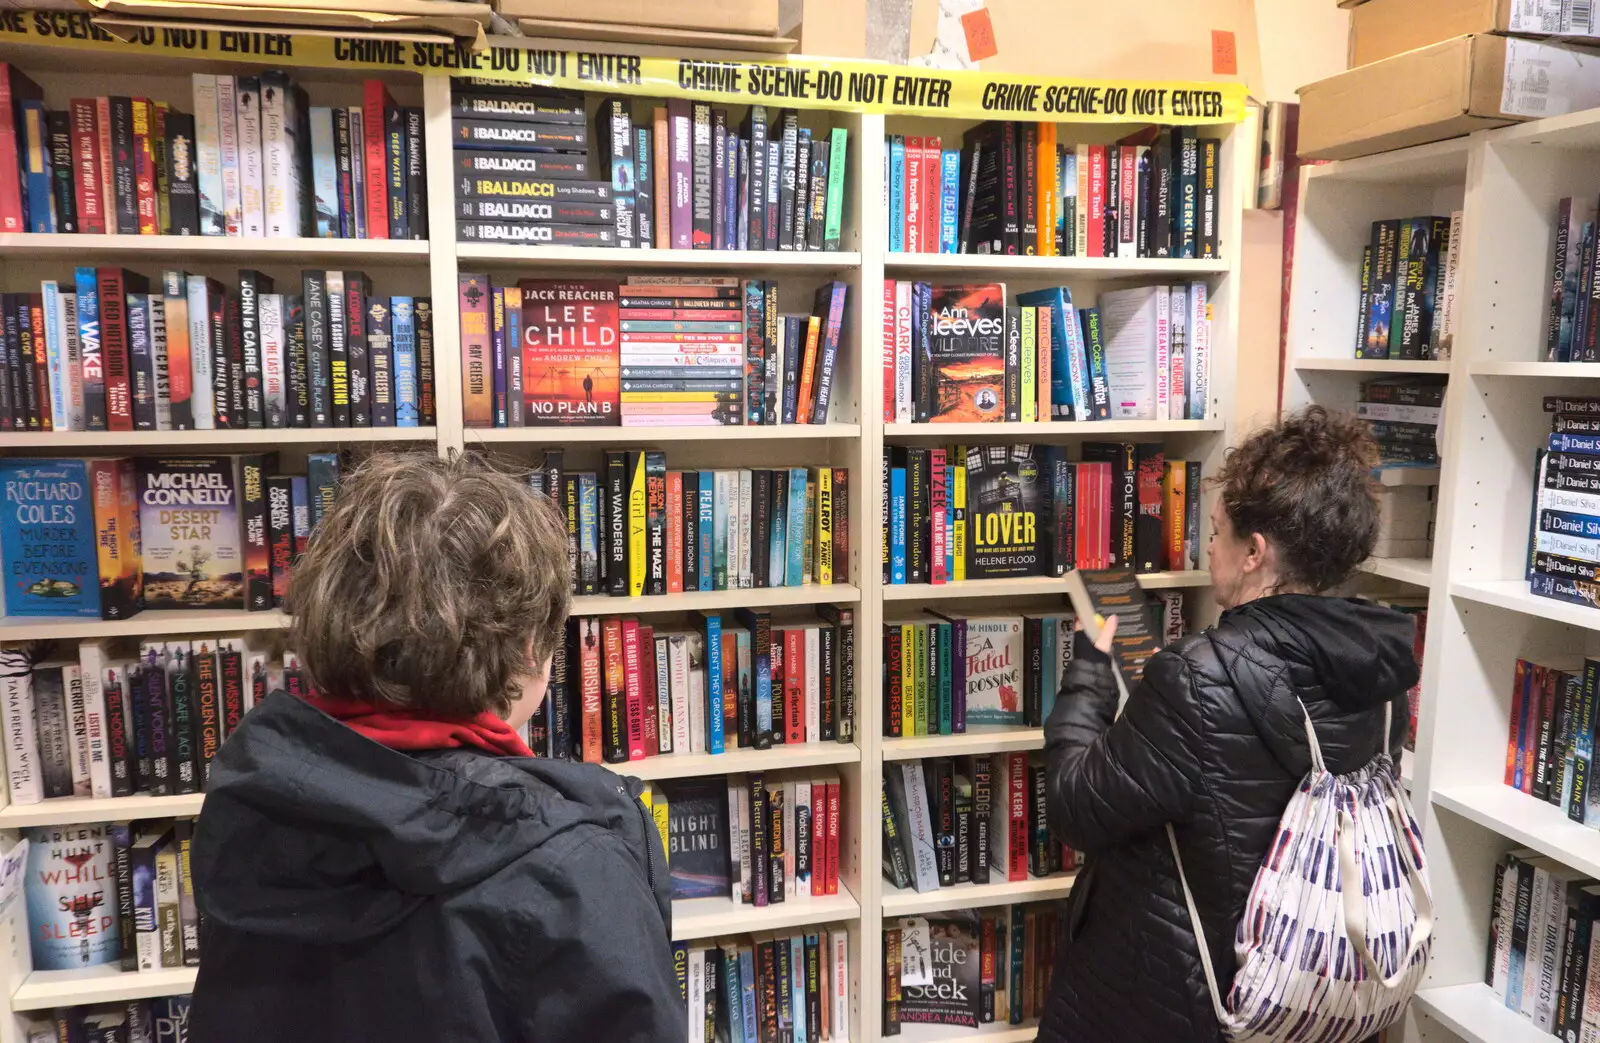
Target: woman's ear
1255	555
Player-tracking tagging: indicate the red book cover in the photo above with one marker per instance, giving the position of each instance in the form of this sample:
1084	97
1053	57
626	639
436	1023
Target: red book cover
1538	712
674	532
1127	206
1017	816
889	356
375	103
115	284
1518	683
41	361
1097	201
931	182
586	631
615	718
477	391
819	837
280	534
15	88
104	153
144	168
647	687
937	494
832	846
571	371
794	685
634	686
916	195
86	167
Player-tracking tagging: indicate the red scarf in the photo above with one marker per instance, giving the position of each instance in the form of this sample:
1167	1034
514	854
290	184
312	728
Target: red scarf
401	729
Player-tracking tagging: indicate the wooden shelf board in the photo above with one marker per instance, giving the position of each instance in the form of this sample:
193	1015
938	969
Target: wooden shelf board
978	738
1103	267
643	260
44	989
1013	431
1477	1015
640	435
1513	594
64	811
692	765
1531	823
1438	163
1416	571
106	442
974	896
196	249
1398	475
1493	368
694	918
756	597
1021	586
1375	366
163	621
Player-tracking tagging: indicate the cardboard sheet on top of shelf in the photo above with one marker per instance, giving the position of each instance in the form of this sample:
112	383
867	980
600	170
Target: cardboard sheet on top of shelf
701	39
1383	28
455	18
736	16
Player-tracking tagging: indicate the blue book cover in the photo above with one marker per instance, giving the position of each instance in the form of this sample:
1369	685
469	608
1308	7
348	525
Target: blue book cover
897	194
588	531
797	961
300	506
714	693
728	1001
172	1019
794	574
897	525
1052	668
747	993
1069	386
38	186
47	537
55	340
404	342
324	173
949	199
497	322
1572	443
1562	588
759	624
1566	523
86	282
706	519
778	549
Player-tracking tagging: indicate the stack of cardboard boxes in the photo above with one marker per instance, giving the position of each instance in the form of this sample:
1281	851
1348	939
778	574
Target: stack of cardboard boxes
1427	70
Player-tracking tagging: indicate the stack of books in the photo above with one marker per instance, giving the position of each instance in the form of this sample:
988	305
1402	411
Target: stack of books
1404	415
762	986
1409	274
163	1019
1011	188
961	354
1564	543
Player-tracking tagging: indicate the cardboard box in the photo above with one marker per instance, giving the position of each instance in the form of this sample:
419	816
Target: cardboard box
1383	28
1444	91
727	16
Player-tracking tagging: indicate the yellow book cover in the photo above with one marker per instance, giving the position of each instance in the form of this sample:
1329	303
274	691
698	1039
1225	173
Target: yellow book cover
638	563
824	482
958	517
1174	507
1030	365
659	808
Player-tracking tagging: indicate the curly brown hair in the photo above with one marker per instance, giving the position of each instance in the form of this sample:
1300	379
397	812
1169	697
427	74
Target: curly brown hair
1306	484
428	584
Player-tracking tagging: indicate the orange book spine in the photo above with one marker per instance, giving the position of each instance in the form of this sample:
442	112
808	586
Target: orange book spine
808	371
660	173
1175	500
1045	186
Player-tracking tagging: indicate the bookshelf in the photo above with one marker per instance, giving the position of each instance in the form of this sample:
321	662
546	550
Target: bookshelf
854	439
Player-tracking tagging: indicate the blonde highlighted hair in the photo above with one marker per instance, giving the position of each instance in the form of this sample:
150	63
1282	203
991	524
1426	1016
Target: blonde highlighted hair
430	585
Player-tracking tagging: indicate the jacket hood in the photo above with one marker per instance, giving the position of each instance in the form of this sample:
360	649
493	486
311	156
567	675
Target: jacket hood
313	832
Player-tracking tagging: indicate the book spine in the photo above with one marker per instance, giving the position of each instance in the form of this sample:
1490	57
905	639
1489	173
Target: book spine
252	199
702	172
375	160
114	348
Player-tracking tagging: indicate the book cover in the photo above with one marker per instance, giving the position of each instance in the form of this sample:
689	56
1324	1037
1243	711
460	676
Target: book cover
48	536
948	992
994	671
190	526
476	390
71	897
697	839
965	361
570	360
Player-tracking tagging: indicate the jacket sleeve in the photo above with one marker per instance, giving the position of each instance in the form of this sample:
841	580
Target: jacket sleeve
1112	778
599	965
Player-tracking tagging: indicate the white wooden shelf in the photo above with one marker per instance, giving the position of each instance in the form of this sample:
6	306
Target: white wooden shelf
42	990
1048	267
995	1032
1049	431
1473	1012
1531	823
975	896
1441	163
611	259
695	601
1513	595
64	811
161	621
1562	370
1375	367
265	438
198	249
978	738
694	918
739	761
638	435
1025	586
1416	571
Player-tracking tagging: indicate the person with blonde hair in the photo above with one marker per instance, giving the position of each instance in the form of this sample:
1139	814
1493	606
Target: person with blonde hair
385	858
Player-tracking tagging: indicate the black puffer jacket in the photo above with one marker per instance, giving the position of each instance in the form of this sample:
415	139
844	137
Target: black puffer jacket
1213	741
352	892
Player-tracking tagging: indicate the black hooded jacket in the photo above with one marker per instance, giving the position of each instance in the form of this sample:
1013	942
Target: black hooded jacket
352	892
1213	741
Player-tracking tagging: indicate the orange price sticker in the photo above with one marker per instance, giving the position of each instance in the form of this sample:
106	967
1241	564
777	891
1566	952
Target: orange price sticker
1224	53
980	34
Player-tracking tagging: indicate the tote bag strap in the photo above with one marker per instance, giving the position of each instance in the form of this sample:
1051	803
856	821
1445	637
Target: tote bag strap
1199	931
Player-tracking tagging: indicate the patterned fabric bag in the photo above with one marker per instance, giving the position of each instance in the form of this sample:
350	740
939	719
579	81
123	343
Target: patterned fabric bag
1335	935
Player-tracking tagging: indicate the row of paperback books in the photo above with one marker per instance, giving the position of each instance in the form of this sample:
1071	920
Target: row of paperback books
623	690
976	966
253	159
994	511
637	528
107	537
1550	742
115	720
769	986
1012	188
162	1020
139	915
1404	415
108	353
1409	275
758	839
1542	961
1564	537
947	822
1573	329
944	672
960	354
652	351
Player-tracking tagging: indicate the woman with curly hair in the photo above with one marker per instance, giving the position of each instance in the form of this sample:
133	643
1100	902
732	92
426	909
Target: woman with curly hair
1212	740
